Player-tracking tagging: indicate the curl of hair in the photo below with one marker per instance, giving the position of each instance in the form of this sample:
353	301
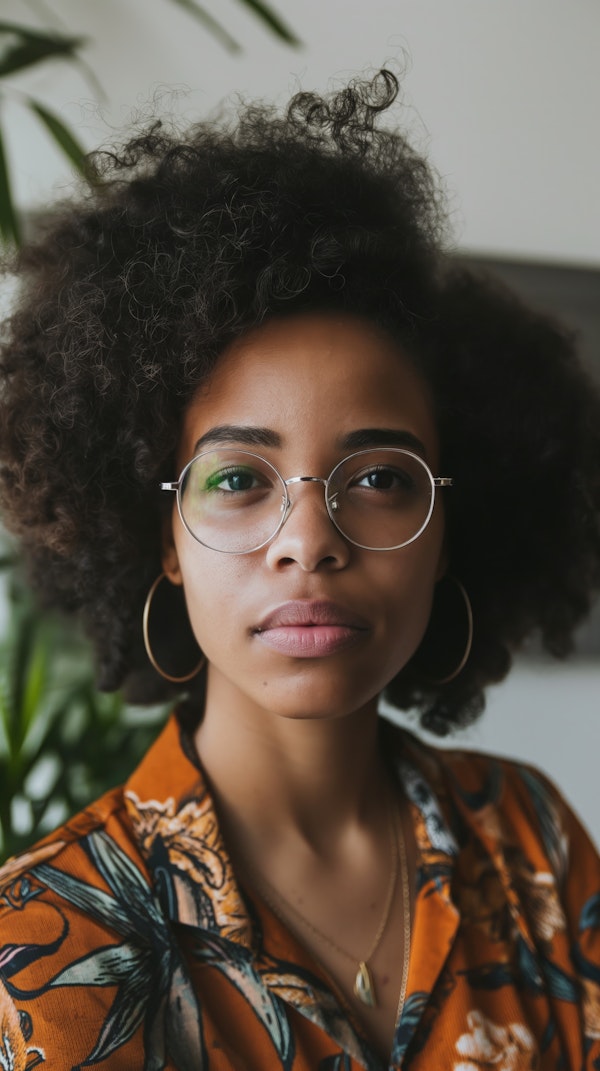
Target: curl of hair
130	295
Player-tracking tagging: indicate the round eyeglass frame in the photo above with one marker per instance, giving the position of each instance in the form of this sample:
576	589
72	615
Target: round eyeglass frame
287	504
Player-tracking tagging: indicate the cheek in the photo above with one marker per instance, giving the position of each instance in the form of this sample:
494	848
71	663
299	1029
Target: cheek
409	600
213	586
407	585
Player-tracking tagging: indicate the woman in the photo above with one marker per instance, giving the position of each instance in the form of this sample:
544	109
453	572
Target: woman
244	391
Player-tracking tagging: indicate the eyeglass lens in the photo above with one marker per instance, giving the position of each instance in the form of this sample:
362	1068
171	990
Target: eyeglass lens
235	501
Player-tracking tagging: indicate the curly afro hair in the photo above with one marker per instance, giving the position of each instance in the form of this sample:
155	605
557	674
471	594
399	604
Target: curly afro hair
129	296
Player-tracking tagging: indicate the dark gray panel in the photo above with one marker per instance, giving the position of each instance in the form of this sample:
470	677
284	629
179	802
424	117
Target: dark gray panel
571	295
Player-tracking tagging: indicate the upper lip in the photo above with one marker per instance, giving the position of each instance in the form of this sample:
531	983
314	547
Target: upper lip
305	613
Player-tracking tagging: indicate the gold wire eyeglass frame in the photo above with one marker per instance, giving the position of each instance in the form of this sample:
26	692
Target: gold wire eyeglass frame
330	500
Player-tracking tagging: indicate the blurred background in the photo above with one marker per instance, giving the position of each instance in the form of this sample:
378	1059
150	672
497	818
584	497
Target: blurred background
502	98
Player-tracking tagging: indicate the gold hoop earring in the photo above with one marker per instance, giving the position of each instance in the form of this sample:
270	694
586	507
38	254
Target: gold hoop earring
467	651
440	633
146	632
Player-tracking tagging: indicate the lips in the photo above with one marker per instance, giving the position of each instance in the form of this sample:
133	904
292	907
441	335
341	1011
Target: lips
306	629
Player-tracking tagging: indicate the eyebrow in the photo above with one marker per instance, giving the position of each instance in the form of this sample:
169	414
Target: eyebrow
248	435
360	439
363	438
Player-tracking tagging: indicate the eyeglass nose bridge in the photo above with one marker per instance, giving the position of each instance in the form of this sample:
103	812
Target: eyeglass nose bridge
330	504
306	479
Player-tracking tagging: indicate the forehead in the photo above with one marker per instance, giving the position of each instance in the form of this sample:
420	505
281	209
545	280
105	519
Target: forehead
313	379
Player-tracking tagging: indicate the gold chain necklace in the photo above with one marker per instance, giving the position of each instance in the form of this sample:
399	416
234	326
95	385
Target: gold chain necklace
364	988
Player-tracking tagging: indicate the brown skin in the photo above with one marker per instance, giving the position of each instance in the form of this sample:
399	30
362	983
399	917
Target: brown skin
289	744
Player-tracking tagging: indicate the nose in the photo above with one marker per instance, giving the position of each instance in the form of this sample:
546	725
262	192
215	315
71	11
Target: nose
308	537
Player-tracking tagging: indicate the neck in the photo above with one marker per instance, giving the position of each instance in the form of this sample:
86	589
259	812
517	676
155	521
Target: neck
274	777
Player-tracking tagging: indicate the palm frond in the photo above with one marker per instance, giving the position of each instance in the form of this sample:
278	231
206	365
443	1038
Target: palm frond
272	20
64	138
22	47
210	23
10	230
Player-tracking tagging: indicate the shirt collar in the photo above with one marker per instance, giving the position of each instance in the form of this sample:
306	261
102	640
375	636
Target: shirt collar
176	828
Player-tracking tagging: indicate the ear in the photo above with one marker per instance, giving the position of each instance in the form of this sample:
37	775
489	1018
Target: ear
169	557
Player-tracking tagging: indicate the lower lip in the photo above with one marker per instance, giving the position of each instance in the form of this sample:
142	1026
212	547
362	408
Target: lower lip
310	641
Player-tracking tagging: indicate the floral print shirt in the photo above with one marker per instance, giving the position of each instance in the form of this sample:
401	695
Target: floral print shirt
125	942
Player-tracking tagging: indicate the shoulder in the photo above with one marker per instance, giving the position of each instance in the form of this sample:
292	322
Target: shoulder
73	849
521	854
76	912
88	871
507	805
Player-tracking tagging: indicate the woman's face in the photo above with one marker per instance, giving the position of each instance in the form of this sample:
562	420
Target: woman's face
310	625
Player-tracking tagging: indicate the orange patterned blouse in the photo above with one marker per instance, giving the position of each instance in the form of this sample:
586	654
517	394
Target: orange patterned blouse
125	942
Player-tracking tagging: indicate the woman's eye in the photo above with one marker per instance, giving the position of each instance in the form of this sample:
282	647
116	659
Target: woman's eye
234	480
384	478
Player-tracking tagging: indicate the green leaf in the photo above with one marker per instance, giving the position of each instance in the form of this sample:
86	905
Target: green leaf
266	14
273	21
23	650
4	716
210	23
21	47
35	683
9	223
63	137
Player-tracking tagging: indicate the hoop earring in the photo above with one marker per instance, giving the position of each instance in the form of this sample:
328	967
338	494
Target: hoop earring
467	651
440	627
146	632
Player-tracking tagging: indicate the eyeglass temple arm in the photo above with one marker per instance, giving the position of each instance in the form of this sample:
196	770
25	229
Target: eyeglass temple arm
438	481
173	486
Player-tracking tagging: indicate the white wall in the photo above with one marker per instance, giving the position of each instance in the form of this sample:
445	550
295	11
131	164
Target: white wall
504	98
503	95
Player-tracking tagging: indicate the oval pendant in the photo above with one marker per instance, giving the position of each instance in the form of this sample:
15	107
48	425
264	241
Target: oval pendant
363	986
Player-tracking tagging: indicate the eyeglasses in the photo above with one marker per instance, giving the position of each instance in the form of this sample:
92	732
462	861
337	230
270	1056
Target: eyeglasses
236	502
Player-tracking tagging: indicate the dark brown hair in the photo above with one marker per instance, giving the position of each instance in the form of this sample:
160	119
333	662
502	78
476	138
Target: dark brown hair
131	293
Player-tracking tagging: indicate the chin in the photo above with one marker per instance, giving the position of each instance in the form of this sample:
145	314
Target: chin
305	703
